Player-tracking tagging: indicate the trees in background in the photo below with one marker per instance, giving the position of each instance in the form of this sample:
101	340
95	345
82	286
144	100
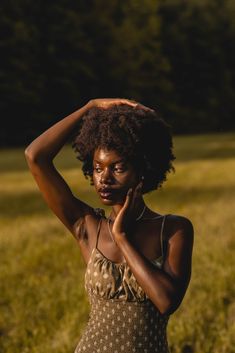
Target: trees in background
198	39
174	55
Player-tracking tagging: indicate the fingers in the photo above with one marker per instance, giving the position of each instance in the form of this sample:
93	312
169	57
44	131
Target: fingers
128	200
132	196
143	107
137	193
138	189
127	212
127	207
136	105
105	103
123	215
119	101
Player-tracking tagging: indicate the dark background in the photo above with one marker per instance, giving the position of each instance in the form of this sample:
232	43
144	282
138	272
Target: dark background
176	56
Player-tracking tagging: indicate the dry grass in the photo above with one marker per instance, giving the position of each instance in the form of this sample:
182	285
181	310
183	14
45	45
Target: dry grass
43	304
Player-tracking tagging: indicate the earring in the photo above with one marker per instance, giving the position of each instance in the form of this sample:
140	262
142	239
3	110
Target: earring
142	178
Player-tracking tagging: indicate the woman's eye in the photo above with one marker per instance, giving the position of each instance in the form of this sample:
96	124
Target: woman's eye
98	169
119	169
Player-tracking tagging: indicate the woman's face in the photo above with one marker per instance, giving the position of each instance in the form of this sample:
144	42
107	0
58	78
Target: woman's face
113	176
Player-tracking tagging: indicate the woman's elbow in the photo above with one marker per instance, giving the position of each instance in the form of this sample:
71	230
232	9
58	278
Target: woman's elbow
28	153
170	309
169	306
31	158
35	158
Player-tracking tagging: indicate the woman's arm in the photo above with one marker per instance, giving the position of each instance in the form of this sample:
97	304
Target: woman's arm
40	154
166	287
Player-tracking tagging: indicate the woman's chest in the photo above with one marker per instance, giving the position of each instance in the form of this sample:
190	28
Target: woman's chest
108	279
146	240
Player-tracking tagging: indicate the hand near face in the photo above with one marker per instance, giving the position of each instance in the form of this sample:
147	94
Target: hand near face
126	215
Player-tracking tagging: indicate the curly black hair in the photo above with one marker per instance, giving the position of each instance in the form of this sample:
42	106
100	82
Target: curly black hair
140	136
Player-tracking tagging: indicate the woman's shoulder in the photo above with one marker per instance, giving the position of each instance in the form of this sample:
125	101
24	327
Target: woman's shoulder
179	224
86	226
176	218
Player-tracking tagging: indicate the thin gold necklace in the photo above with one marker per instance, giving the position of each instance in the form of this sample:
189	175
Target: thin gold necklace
142	213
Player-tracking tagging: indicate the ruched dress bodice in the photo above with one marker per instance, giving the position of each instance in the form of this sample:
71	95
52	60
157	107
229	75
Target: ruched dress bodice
122	317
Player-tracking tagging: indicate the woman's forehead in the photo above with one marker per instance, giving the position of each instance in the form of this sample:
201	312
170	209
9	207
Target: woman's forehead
104	154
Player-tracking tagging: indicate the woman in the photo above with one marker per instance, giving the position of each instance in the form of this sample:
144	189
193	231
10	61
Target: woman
138	261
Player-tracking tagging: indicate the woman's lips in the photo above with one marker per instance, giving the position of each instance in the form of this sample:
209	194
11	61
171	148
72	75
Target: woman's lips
106	193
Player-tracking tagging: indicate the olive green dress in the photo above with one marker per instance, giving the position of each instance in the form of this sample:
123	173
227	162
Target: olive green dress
122	317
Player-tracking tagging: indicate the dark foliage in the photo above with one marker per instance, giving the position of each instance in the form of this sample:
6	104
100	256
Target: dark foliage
173	55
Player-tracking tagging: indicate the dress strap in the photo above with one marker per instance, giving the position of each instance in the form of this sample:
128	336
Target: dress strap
98	232
163	238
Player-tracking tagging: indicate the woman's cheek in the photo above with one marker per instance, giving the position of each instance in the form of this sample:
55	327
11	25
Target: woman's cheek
130	181
95	180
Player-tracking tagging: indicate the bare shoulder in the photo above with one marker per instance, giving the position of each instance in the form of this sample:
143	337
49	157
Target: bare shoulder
85	228
79	226
180	235
180	225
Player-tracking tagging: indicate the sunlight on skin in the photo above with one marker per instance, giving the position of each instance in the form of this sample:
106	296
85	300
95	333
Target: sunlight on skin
41	278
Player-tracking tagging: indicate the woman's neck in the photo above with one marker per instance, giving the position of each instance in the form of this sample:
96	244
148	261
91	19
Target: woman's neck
139	207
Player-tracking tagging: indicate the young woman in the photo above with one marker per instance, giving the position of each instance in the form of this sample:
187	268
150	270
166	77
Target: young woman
138	261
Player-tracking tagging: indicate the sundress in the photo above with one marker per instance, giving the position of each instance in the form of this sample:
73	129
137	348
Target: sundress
122	317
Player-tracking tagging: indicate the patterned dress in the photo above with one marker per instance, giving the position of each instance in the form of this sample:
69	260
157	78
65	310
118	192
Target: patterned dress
122	317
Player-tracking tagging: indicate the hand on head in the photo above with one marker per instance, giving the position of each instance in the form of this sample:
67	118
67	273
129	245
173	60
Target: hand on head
106	103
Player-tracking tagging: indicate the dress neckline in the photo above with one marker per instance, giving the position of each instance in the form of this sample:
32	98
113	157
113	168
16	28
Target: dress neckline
123	263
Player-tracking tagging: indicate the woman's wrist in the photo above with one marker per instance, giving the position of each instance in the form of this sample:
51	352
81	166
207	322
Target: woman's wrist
120	238
87	106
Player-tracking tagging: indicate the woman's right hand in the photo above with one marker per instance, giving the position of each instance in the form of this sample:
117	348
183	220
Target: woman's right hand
106	103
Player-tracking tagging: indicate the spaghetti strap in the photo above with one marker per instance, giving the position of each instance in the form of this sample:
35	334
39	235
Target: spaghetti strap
161	234
163	238
98	232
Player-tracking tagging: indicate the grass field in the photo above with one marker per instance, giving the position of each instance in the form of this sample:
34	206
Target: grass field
42	300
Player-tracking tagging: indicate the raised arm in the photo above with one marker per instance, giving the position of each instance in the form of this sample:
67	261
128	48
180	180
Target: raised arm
40	154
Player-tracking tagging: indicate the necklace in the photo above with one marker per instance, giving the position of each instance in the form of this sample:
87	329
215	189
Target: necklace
137	219
149	219
141	214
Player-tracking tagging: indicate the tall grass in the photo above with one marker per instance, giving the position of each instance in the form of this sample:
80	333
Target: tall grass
42	299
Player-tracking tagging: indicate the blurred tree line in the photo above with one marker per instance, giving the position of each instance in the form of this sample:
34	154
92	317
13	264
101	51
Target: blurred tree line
174	55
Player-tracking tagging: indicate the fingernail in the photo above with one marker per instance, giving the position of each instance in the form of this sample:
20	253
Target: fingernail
129	192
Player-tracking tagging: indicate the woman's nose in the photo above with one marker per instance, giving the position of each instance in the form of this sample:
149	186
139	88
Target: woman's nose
106	177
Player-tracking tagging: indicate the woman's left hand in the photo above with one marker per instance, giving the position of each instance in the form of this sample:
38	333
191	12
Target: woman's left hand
125	217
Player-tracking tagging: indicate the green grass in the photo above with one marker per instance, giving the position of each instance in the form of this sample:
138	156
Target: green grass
43	304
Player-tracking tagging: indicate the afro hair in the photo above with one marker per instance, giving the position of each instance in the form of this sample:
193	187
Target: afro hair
140	136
